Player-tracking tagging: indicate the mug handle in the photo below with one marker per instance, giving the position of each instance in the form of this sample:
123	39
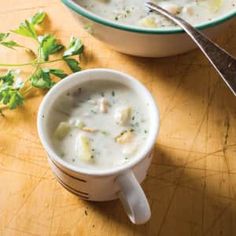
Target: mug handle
133	198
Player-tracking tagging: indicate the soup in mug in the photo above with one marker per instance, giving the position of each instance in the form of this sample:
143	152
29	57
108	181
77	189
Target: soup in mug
101	124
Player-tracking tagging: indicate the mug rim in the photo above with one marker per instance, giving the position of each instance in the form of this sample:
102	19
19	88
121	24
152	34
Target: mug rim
58	88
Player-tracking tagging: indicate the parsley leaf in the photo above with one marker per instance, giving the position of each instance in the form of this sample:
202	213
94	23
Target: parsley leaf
26	29
8	78
75	47
3	36
73	64
58	73
38	18
48	46
10	44
41	79
11	97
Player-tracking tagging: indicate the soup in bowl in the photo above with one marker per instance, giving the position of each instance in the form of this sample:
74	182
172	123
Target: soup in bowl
129	27
135	13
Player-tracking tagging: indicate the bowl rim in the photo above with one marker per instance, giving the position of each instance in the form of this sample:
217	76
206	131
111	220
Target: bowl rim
168	30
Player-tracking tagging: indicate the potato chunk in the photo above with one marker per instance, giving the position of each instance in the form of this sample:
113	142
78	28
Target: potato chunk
125	137
122	115
83	148
103	105
62	130
215	4
148	21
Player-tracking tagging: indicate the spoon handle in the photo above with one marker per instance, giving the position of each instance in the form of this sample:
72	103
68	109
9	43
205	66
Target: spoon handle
223	62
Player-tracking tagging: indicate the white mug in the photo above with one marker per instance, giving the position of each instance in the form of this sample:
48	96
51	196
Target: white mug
121	182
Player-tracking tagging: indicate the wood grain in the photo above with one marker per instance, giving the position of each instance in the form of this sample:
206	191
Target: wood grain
191	184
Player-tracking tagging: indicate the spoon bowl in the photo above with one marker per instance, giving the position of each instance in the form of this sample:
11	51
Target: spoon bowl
222	61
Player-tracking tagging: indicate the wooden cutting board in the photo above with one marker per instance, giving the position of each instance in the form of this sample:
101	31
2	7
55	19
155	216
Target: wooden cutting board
191	185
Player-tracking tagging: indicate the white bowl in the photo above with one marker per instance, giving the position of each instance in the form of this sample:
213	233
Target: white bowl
140	41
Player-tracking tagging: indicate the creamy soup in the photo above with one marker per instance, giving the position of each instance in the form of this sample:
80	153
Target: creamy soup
134	12
101	124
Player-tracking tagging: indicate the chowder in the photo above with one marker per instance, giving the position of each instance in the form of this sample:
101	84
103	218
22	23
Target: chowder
134	12
101	124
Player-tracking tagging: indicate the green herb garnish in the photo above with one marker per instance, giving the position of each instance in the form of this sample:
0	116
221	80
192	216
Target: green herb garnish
94	112
10	96
38	18
104	132
13	92
48	45
123	132
73	64
26	29
76	47
8	43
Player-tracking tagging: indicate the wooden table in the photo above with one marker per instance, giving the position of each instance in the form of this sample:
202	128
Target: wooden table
191	184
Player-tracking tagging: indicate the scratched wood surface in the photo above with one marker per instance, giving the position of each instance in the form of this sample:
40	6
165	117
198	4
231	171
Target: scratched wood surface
191	185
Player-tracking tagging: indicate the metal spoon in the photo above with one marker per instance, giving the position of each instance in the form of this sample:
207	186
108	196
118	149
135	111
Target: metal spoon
223	62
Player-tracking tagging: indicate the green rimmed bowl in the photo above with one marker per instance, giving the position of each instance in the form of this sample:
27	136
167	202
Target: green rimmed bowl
140	41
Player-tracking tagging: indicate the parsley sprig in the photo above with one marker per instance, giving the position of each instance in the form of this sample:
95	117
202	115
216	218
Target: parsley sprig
13	90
